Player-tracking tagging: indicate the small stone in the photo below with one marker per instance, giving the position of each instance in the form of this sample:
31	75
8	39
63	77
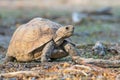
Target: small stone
12	79
33	78
46	67
99	48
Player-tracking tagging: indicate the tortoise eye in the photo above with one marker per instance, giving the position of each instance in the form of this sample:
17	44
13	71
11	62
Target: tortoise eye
67	28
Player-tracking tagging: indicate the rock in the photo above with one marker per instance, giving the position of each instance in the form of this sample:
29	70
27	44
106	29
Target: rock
78	17
99	48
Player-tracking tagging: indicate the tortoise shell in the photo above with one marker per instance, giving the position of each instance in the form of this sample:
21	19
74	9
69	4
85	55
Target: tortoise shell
32	35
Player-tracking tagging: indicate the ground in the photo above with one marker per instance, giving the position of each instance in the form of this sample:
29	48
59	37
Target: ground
89	32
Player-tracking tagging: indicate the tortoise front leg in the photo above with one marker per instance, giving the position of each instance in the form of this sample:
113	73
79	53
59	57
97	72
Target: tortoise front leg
70	49
46	52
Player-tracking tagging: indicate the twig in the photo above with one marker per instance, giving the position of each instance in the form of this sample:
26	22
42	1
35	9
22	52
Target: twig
98	62
20	74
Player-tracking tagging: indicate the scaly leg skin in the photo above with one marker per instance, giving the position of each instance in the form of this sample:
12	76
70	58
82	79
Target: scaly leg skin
70	49
46	52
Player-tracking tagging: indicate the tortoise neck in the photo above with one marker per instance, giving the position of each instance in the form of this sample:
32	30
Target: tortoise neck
58	40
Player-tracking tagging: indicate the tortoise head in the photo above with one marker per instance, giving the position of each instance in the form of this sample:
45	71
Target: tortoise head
65	32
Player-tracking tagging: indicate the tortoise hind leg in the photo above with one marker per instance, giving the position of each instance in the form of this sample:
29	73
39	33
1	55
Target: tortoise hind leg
9	59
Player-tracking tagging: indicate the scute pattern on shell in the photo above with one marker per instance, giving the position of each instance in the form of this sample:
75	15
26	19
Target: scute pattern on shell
32	35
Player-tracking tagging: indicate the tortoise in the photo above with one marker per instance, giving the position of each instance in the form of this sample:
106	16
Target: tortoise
41	39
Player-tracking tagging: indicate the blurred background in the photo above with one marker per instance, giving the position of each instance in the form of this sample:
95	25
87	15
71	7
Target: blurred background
94	20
